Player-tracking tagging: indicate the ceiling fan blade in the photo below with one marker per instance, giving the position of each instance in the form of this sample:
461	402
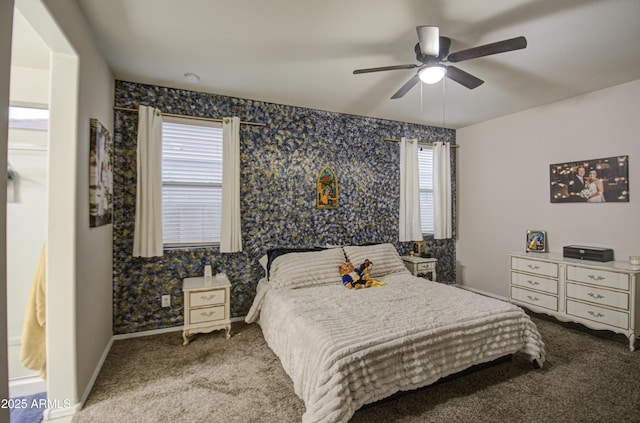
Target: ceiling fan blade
385	68
463	78
406	87
488	49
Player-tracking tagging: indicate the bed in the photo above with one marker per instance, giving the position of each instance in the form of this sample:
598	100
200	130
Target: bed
344	348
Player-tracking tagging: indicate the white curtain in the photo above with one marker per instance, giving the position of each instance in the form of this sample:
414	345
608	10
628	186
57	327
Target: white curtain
147	236
231	230
410	227
442	190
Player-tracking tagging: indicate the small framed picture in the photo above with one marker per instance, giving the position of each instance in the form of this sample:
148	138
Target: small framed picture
536	241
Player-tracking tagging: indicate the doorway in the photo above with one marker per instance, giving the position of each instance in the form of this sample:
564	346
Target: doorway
62	99
26	189
26	232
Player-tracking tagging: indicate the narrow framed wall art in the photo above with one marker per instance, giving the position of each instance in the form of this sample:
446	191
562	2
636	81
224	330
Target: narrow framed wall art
100	175
327	189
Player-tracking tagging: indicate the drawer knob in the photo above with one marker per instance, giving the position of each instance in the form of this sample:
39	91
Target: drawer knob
533	266
596	296
206	314
533	298
533	283
594	314
596	278
207	297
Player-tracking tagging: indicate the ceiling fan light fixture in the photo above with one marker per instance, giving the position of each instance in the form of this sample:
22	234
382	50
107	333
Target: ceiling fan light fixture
429	38
432	74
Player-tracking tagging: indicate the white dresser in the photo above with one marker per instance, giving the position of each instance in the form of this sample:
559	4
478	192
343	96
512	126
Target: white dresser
206	305
601	296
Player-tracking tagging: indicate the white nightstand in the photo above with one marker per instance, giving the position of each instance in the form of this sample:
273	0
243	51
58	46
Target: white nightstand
206	305
420	266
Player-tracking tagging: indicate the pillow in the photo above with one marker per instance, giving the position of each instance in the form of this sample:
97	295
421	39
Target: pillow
263	262
385	258
311	268
276	252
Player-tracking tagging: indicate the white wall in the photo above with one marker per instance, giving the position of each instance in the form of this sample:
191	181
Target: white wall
29	86
503	182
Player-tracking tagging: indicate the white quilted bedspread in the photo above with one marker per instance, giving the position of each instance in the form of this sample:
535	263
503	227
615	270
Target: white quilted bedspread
346	348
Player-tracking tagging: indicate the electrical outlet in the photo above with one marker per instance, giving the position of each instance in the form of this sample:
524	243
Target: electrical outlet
166	301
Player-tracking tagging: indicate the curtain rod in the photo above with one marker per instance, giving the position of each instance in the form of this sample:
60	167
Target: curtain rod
125	109
420	143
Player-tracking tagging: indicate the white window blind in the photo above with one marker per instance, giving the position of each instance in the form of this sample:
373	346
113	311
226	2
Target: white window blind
28	118
425	170
191	182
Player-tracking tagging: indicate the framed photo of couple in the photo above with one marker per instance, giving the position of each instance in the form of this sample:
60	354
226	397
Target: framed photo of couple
603	180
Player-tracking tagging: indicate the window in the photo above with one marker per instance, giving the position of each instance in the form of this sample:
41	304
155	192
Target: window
191	182
425	170
28	118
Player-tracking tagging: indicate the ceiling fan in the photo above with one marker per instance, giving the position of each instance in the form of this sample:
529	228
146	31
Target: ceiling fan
432	51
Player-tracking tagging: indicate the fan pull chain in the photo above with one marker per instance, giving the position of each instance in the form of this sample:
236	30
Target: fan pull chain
422	102
444	81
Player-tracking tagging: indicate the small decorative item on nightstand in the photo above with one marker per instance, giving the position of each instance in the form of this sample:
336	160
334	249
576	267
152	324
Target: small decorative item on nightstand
536	241
419	266
206	305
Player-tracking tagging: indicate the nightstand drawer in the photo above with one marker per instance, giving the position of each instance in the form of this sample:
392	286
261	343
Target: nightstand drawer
534	282
598	296
205	298
598	314
542	268
208	314
537	299
425	266
599	277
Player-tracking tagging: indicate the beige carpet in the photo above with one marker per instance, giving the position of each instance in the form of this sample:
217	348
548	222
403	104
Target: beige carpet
588	377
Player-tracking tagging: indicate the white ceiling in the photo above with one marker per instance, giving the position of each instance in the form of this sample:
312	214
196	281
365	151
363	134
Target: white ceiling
303	53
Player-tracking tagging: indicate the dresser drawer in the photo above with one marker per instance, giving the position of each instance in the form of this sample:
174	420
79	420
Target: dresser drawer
205	298
598	314
537	299
534	282
599	296
541	268
599	277
207	314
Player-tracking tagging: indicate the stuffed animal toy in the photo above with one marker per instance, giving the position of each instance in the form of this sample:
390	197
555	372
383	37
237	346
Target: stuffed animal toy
365	269
351	277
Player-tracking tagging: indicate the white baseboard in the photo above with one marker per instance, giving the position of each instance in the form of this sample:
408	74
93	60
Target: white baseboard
95	374
146	333
24	386
160	331
64	414
487	294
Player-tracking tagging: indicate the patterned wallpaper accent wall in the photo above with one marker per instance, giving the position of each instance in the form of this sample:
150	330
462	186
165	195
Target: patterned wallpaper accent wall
279	166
